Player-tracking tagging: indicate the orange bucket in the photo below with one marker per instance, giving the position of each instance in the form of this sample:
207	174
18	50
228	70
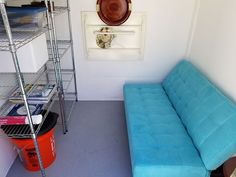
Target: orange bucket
46	142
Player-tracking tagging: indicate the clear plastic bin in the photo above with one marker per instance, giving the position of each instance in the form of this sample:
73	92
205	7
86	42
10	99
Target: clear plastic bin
25	18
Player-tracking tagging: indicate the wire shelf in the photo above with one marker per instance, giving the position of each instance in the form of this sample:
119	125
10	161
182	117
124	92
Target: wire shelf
7	83
19	38
6	91
60	10
23	131
67	78
63	47
41	77
69	109
70	95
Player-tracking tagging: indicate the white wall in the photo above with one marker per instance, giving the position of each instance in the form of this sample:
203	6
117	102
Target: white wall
168	28
167	31
7	155
214	43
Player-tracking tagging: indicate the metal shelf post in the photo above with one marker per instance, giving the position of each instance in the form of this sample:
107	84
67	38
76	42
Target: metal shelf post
72	48
51	41
58	67
20	81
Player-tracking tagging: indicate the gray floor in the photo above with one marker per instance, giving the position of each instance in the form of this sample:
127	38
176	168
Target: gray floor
95	146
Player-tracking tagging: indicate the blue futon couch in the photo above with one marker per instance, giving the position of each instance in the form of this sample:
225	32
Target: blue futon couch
182	127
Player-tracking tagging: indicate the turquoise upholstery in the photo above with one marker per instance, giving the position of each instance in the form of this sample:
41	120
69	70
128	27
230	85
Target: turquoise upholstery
209	117
159	143
183	127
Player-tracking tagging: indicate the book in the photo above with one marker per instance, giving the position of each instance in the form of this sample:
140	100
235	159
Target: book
39	93
20	120
20	110
16	95
16	114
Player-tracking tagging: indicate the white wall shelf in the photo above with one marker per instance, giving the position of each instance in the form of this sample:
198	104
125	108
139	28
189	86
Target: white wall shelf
115	32
127	43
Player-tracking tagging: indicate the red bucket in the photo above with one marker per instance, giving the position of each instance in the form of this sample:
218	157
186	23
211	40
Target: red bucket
46	142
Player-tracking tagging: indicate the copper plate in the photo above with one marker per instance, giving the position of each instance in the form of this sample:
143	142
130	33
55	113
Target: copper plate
114	12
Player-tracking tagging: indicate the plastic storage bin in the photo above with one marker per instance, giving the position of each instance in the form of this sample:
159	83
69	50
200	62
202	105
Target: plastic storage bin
25	18
31	56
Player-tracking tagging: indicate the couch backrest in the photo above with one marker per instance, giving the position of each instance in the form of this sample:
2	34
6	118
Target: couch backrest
208	115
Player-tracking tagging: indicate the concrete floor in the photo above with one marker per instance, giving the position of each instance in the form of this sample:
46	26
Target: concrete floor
95	146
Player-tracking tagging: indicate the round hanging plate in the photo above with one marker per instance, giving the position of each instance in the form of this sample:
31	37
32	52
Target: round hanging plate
114	12
104	40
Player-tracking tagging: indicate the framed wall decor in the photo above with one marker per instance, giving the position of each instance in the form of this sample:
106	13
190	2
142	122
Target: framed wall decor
103	42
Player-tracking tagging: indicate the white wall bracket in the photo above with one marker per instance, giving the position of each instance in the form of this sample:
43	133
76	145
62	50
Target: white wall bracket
128	41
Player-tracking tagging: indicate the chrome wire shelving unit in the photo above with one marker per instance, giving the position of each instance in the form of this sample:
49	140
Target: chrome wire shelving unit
60	10
64	46
19	38
24	131
11	41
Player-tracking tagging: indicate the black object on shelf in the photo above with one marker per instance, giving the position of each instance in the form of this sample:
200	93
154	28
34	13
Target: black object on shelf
49	123
218	172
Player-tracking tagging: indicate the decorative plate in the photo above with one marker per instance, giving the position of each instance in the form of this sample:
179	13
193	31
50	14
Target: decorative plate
114	12
104	40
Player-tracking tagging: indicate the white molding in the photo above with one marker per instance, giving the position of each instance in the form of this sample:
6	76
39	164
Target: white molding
192	28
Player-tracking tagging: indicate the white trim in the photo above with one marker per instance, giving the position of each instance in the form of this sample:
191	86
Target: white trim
233	174
192	28
2	1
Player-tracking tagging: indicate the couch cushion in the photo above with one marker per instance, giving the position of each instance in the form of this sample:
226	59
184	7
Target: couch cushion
209	116
159	143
